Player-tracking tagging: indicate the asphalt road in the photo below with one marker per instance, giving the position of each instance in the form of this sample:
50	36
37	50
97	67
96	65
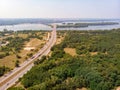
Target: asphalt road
13	76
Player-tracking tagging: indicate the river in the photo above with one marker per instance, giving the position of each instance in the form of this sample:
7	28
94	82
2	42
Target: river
25	27
28	26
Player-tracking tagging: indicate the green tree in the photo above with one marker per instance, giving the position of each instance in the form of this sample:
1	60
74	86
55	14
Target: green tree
17	62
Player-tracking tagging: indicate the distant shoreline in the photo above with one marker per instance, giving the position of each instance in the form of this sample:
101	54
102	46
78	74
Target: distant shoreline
44	24
79	25
16	21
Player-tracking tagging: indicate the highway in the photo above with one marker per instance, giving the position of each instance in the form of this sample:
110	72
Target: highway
13	76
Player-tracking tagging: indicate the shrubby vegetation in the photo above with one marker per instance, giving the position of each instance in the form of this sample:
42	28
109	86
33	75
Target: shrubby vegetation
14	43
38	61
14	46
61	71
16	88
3	69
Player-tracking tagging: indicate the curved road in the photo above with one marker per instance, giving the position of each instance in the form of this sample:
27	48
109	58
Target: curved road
12	77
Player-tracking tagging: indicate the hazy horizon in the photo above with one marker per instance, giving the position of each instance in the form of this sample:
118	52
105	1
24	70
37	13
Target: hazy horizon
59	18
59	9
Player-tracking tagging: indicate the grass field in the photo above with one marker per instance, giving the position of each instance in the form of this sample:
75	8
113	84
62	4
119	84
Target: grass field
70	51
23	35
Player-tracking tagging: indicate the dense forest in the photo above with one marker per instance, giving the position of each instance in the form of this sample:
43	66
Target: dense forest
95	67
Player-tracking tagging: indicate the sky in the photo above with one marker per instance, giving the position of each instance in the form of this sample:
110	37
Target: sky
59	8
